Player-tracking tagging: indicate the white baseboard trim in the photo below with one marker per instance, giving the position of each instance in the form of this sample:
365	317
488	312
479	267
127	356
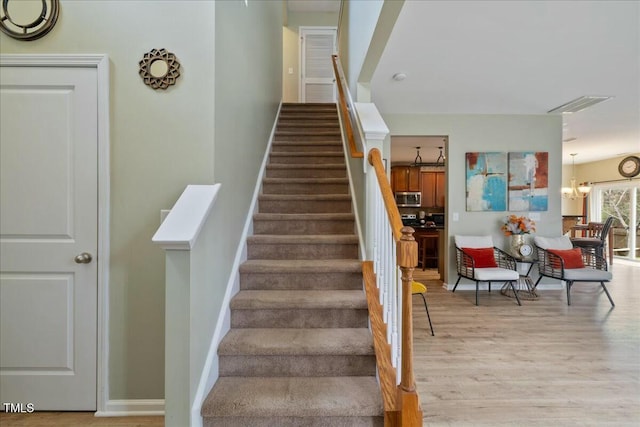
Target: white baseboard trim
132	408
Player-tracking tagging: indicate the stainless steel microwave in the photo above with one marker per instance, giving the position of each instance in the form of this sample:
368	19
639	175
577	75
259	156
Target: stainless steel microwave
408	199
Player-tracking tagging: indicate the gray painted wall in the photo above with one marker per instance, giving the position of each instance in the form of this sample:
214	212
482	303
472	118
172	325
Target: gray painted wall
468	133
362	20
231	57
248	91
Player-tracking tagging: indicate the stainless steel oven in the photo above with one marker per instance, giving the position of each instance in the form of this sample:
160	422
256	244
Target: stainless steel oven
408	199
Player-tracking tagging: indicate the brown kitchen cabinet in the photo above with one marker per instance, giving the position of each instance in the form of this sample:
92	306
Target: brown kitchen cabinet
405	178
432	189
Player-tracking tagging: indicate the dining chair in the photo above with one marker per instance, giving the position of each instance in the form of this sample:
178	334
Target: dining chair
427	249
479	260
418	288
596	239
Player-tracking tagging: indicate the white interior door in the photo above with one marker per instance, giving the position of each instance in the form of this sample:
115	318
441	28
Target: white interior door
48	219
317	81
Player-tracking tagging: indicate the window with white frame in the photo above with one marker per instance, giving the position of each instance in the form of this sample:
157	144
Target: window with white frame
622	201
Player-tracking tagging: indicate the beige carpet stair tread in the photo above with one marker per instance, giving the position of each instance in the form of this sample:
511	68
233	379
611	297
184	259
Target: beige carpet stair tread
305	166
294	396
290	115
303	300
303	197
301	265
311	239
305	217
337	154
314	111
331	124
302	106
315	143
316	132
285	341
305	180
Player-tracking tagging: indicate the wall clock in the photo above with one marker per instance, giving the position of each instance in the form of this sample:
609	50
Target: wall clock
629	166
28	20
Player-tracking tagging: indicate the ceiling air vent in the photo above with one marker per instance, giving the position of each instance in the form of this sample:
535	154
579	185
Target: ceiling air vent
579	104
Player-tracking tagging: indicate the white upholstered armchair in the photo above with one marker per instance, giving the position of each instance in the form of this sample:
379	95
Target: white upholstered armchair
479	260
558	258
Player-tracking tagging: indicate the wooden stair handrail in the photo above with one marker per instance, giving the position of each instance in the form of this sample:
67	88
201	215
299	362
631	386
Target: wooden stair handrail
407	403
401	402
346	118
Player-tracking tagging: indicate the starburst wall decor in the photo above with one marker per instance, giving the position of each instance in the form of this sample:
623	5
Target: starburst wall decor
159	69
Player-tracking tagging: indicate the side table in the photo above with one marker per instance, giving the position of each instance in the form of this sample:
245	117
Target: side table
525	286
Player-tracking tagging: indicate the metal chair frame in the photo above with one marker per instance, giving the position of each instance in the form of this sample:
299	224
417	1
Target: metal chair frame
467	269
551	265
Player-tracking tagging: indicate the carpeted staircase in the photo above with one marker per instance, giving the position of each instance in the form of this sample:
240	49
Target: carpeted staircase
299	352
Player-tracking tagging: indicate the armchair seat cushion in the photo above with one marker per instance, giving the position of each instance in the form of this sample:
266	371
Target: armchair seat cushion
572	258
482	257
495	274
587	275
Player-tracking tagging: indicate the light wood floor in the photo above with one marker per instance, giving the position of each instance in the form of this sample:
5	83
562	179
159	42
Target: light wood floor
498	364
542	364
75	419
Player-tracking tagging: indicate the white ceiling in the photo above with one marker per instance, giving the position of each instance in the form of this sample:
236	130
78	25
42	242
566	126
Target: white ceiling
513	57
403	148
519	57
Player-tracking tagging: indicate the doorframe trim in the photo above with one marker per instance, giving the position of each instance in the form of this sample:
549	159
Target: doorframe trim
101	63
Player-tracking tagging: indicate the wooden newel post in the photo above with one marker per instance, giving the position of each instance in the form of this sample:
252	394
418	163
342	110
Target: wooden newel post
409	411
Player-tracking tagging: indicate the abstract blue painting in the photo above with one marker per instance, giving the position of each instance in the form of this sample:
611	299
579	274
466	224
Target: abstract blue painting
486	181
529	181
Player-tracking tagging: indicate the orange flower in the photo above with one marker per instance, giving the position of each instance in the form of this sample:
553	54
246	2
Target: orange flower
518	225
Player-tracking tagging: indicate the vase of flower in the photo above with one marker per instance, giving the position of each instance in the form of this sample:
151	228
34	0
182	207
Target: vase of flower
517	240
515	228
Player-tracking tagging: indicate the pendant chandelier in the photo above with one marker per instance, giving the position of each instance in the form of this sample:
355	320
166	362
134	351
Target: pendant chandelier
438	163
575	191
441	158
418	159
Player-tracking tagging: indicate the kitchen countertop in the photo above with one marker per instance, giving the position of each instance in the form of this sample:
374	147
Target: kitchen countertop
422	227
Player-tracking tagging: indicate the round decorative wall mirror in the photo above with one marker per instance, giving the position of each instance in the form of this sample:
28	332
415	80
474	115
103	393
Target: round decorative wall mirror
159	69
28	20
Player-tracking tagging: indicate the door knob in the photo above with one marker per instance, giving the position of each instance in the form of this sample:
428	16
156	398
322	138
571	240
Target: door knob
83	258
